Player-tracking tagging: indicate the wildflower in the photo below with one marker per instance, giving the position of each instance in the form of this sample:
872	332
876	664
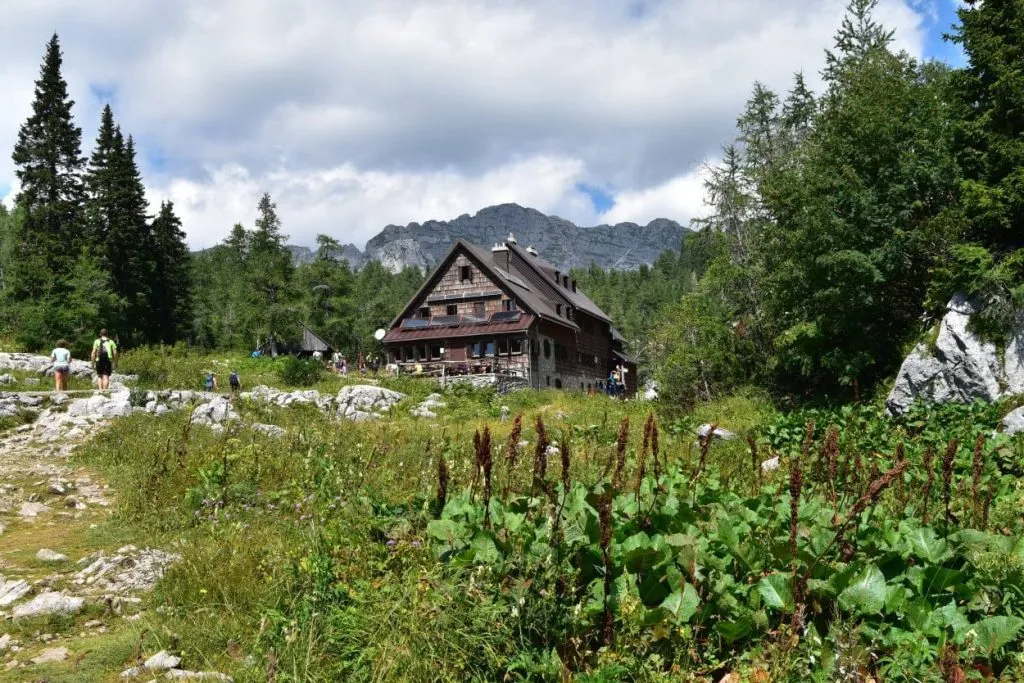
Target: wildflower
392	542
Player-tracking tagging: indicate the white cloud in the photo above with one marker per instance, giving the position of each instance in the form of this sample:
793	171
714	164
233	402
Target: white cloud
356	114
347	202
681	197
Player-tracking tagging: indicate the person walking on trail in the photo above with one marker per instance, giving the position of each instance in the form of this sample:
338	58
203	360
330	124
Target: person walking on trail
61	358
210	381
104	353
234	381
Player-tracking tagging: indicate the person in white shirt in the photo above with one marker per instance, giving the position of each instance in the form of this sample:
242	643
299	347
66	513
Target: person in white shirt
61	358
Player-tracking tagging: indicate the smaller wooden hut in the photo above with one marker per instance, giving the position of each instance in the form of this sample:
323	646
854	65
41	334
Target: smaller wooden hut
312	342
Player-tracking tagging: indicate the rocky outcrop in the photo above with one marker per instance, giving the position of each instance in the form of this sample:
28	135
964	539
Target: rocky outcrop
960	367
428	406
51	602
361	402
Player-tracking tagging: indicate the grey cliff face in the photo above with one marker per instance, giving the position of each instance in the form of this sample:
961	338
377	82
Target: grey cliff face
625	246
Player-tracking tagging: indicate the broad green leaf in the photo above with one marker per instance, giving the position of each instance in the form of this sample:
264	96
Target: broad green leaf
736	629
682	604
866	593
995	632
484	549
776	591
925	544
446	530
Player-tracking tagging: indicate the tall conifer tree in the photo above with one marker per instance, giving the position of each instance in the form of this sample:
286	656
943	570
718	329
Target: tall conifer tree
48	161
170	313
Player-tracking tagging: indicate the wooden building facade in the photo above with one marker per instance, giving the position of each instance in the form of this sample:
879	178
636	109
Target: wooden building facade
506	310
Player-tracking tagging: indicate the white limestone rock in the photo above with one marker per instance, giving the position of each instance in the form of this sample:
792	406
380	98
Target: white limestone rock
47	555
1013	423
162	661
51	602
720	433
13	590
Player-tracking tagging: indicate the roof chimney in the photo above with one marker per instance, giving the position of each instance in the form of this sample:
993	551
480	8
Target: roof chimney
511	239
498	247
574	285
531	251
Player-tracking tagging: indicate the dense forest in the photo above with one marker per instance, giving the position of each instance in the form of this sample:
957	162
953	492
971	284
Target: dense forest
841	221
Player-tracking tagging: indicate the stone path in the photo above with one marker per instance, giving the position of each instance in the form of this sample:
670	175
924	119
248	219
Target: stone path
60	556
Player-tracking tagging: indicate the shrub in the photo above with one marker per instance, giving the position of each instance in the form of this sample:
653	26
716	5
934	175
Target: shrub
297	372
163	366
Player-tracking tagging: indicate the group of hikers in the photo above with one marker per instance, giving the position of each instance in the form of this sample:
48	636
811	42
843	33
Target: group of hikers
103	355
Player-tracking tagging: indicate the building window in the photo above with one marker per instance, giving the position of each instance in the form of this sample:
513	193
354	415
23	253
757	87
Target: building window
473	349
452	309
479	308
406	353
424	312
549	380
547	349
489	348
558	309
568	312
508	305
423	353
503	346
435	352
516	347
465	274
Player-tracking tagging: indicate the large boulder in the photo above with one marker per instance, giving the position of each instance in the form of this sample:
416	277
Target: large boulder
362	402
961	367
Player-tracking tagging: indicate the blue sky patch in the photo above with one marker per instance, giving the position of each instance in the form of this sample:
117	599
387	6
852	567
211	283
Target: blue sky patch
601	199
935	47
103	94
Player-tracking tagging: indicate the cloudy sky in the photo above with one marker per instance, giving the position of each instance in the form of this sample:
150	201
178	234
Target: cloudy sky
354	115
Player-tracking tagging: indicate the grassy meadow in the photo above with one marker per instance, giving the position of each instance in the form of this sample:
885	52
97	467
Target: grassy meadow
624	548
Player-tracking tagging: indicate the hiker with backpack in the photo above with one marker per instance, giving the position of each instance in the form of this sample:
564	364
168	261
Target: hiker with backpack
234	381
61	358
210	381
104	353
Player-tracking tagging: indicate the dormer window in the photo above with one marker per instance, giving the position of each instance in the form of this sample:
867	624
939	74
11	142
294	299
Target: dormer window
558	277
508	304
424	312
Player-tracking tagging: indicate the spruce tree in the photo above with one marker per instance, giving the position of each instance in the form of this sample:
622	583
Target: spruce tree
990	135
270	266
100	184
128	246
48	161
170	311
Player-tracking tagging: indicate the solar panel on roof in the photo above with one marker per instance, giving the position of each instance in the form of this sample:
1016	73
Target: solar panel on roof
414	323
505	316
473	319
444	321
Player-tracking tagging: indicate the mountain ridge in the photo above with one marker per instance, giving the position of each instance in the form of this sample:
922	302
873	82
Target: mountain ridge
622	246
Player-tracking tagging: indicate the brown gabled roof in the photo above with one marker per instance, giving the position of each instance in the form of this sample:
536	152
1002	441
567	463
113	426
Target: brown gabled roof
547	271
493	264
